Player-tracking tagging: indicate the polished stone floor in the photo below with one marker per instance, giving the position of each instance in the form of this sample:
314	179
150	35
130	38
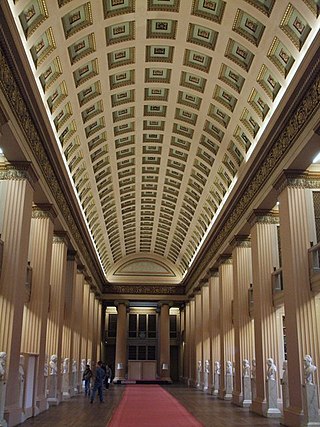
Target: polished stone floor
212	412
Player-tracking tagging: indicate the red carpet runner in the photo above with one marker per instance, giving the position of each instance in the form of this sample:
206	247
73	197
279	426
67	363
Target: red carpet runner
151	406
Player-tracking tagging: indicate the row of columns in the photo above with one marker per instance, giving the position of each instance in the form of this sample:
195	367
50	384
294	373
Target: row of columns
220	306
60	316
121	357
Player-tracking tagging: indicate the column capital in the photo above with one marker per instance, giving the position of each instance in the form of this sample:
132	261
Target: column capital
224	259
213	272
163	303
298	179
61	237
241	241
263	216
124	302
18	171
72	255
44	210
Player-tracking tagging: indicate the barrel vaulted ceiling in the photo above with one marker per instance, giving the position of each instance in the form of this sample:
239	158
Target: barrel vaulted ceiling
157	106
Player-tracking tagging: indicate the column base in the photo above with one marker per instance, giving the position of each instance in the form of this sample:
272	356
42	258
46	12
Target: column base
259	407
237	399
41	405
13	415
292	416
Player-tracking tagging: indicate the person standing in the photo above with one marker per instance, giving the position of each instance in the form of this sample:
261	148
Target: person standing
98	383
86	377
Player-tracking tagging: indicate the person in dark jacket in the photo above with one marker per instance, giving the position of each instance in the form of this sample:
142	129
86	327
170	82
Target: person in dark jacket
86	377
98	383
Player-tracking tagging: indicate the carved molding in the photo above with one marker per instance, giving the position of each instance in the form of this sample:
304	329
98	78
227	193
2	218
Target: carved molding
241	241
281	145
44	211
263	216
297	179
224	259
144	289
61	237
18	171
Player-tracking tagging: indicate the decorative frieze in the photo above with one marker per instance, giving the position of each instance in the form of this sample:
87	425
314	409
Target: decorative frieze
145	289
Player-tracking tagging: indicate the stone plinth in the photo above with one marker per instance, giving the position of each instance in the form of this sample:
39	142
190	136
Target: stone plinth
3	422
229	387
216	384
246	390
272	399
310	405
53	398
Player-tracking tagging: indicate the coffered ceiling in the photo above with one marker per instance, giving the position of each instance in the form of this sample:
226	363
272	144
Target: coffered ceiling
156	106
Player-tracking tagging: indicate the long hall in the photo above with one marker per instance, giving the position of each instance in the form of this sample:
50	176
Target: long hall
160	212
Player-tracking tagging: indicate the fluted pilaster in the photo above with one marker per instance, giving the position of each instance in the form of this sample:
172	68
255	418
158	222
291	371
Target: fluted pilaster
265	257
226	326
77	316
214	300
16	181
198	335
164	341
206	338
121	341
296	226
85	320
243	324
36	310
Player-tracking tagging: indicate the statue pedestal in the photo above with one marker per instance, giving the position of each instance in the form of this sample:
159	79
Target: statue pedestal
285	394
272	410
206	381
310	405
198	385
3	422
229	387
65	387
246	391
216	384
53	398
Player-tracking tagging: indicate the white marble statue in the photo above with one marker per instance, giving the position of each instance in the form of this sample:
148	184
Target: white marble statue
74	366
199	366
207	366
309	369
271	370
3	358
53	364
229	367
284	384
83	365
245	368
65	366
217	367
46	368
21	381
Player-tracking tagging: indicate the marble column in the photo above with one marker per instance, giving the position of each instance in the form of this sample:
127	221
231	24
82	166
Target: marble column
85	320
77	323
206	339
70	307
214	320
164	341
121	341
199	340
56	308
226	325
243	324
16	182
187	346
36	310
265	257
193	357
297	230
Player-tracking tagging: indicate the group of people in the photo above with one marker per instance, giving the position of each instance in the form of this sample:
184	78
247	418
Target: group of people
102	379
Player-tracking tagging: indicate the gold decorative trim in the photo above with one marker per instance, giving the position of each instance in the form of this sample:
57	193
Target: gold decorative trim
144	289
241	241
297	179
263	216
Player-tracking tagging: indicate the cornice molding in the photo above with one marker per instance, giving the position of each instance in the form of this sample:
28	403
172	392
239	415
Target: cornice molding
280	146
224	259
